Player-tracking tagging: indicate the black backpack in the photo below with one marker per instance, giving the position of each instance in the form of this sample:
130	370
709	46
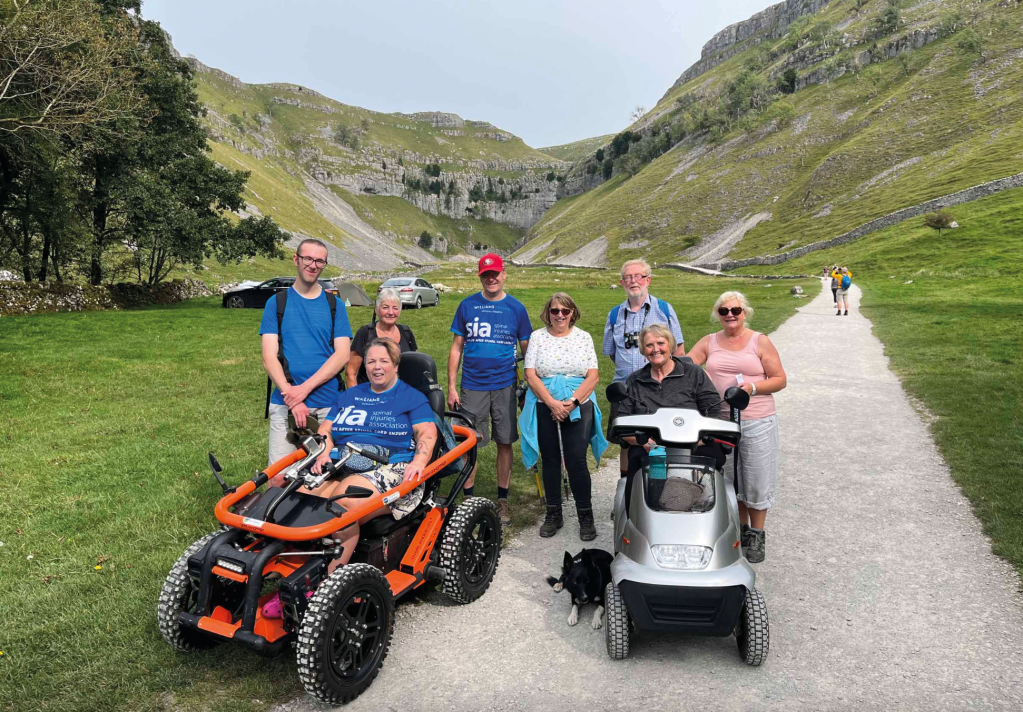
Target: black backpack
282	302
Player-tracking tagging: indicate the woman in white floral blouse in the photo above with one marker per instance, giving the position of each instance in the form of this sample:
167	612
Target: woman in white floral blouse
561	369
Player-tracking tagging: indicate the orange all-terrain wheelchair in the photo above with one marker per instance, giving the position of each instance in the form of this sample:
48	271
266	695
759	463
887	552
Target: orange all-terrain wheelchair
279	542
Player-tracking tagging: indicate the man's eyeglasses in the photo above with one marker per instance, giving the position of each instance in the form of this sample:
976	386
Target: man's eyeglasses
723	311
561	312
312	261
634	277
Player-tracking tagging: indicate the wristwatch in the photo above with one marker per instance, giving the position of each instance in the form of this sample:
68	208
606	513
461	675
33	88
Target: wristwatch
576	401
754	391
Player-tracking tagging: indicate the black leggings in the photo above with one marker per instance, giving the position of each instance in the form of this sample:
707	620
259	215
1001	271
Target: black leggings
575	438
834	293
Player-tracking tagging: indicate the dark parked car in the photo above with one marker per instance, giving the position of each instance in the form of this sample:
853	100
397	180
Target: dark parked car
257	294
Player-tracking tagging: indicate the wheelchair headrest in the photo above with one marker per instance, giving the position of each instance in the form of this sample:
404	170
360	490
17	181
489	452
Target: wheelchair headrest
418	370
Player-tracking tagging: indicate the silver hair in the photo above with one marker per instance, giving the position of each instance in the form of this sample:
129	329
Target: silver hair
388	295
659	330
729	296
633	263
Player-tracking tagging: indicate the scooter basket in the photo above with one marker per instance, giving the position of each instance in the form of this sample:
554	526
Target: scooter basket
685	488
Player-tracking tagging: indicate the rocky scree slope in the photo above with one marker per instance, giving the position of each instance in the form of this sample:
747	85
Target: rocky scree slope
373	183
816	123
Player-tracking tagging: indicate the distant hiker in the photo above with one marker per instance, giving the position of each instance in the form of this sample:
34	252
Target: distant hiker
486	327
385	326
834	283
844	277
737	355
621	333
305	343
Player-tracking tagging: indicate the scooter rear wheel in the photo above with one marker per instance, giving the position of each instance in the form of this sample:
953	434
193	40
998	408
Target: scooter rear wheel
752	633
617	627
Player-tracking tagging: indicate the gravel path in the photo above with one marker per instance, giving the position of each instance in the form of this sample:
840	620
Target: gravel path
881	588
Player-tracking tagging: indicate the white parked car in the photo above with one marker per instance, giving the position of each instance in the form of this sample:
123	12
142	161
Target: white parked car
414	291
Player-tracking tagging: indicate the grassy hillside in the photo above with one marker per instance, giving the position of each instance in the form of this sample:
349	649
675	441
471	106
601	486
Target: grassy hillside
382	167
831	155
576	150
948	310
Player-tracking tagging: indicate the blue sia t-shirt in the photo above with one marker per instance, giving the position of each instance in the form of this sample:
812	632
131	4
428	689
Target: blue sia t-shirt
361	416
306	334
491	330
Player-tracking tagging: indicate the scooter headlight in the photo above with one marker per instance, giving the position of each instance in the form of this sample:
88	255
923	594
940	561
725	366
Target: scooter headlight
690	558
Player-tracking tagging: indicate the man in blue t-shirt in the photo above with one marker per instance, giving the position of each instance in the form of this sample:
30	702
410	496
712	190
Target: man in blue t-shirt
487	326
305	335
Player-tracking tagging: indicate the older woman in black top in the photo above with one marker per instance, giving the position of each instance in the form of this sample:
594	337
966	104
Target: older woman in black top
386	326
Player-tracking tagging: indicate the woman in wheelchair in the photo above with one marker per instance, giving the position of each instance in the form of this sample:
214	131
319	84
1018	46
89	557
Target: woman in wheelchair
392	416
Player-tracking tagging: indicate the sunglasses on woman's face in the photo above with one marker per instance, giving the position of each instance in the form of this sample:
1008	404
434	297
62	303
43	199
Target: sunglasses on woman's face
560	312
723	311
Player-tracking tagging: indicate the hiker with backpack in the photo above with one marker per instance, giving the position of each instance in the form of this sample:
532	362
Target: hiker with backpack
621	333
844	277
306	340
385	326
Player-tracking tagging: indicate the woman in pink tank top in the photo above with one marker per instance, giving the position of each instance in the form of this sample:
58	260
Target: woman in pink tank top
738	356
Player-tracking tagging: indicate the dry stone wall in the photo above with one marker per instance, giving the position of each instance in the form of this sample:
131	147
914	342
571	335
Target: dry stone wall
946	201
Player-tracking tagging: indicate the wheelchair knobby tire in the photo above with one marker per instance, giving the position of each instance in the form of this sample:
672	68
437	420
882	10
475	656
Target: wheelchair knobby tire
470	549
352	609
175	597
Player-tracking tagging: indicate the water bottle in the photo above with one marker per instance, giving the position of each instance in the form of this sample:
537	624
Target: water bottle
658	468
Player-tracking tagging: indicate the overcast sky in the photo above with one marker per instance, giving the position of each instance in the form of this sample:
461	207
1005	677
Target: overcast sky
551	72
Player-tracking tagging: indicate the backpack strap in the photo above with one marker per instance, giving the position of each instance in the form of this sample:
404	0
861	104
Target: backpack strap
332	303
612	316
282	303
665	309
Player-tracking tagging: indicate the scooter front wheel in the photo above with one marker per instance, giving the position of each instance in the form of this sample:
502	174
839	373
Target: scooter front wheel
617	627
752	632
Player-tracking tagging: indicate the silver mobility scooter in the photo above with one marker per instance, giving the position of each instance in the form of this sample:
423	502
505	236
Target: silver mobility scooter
678	561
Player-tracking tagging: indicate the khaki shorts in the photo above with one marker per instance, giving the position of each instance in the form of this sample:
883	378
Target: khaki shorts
498	407
279	445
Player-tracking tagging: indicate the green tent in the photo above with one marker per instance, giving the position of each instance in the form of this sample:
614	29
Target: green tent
352	295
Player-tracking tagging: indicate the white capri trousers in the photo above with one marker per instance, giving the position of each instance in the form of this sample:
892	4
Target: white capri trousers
758	463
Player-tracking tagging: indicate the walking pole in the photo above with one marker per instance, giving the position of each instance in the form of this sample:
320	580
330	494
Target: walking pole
564	467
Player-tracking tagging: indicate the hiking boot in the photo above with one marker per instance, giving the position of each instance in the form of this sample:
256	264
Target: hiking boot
587	529
504	511
757	549
552	522
847	312
839	313
744	536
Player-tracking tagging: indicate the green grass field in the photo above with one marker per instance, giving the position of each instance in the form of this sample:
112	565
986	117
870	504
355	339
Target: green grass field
948	310
106	421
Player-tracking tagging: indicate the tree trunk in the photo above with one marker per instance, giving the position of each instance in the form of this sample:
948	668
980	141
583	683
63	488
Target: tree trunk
44	261
99	228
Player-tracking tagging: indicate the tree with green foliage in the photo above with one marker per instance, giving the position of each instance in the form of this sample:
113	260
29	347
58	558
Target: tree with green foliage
364	124
887	22
786	83
425	240
347	136
550	176
970	42
950	23
132	171
599	155
237	122
607	168
940	220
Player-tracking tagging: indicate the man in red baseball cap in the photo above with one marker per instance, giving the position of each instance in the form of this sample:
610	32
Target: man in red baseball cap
486	327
